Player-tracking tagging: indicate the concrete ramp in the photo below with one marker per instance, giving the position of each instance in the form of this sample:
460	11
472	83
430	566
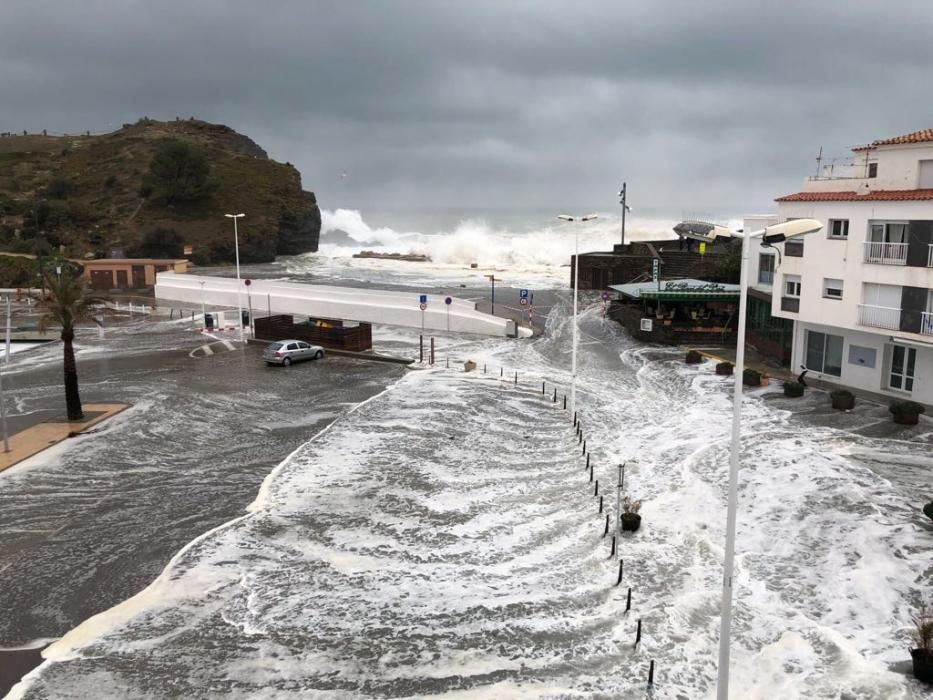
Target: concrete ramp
348	303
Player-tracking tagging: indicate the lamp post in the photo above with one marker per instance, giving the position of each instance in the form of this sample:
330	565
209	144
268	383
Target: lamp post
492	279
239	285
625	208
203	308
769	236
576	287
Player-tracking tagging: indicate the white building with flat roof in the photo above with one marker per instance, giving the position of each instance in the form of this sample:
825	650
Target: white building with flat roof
861	290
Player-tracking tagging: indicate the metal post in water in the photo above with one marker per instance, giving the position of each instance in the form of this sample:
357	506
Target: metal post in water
421	349
651	674
606	531
619	499
612	553
600	504
542	388
432	349
596	489
619	580
638	633
565	402
9	315
628	600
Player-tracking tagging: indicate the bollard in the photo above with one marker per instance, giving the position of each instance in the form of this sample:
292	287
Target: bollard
591	474
596	490
619	580
554	400
579	437
516	379
651	674
420	349
575	422
613	552
587	462
600	504
542	388
501	371
565	402
638	633
171	313
484	368
628	600
584	447
432	349
448	363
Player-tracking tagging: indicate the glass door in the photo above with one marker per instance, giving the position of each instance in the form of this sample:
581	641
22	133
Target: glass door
903	361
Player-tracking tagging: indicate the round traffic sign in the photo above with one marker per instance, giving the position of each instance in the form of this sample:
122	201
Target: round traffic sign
605	296
448	301
423	306
523	301
247	282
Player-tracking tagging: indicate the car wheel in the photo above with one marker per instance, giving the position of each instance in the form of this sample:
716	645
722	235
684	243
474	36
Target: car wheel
286	362
319	354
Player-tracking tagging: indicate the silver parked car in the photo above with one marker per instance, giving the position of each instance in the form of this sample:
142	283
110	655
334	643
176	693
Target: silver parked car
284	352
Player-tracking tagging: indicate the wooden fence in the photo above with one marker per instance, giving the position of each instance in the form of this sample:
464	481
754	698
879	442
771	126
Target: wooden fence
324	332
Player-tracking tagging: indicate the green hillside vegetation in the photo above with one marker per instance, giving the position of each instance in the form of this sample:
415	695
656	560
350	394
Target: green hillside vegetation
149	189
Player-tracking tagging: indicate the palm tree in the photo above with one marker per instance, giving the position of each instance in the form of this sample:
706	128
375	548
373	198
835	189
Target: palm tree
66	303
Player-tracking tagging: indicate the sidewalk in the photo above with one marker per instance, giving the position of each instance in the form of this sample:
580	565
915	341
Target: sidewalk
43	435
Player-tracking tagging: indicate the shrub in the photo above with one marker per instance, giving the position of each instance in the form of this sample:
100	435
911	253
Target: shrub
751	377
923	627
793	389
178	172
159	243
928	510
630	505
906	408
693	357
842	395
724	368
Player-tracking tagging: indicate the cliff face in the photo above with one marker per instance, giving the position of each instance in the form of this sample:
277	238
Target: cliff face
94	194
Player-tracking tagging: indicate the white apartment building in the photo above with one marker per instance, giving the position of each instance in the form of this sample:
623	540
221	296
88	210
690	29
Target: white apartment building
861	290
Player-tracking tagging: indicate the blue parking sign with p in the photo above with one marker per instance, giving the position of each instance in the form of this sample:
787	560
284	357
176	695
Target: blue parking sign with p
423	299
523	294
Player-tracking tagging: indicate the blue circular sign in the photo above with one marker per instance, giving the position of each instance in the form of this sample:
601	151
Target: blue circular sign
448	301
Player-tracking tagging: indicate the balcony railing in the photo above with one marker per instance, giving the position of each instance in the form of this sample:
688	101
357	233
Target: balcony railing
926	323
886	253
879	317
930	255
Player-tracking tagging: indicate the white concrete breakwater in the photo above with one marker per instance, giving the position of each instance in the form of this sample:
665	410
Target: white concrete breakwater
349	303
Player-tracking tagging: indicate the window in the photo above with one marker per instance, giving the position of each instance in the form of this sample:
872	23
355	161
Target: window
889	232
872	170
792	285
766	269
793	249
832	289
824	353
838	228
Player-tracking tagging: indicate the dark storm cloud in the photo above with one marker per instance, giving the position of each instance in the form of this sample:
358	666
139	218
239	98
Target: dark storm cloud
700	106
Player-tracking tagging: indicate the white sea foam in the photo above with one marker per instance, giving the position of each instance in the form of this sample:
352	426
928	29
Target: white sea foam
537	256
442	539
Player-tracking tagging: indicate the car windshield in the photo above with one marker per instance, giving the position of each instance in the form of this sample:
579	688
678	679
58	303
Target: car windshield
275	346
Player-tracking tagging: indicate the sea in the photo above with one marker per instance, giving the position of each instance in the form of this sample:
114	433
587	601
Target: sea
451	534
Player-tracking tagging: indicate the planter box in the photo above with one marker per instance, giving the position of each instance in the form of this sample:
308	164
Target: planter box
923	664
630	522
844	404
724	370
907	418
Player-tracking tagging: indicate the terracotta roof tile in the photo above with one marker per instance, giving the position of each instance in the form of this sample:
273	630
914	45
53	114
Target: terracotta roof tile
876	196
922	136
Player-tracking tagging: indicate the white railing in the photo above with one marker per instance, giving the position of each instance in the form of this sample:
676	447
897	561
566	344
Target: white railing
930	255
926	323
879	317
886	253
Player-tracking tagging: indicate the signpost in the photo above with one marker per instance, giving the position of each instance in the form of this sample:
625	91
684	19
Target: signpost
605	297
447	302
423	299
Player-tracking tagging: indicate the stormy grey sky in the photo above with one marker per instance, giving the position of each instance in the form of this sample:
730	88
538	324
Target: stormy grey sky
480	105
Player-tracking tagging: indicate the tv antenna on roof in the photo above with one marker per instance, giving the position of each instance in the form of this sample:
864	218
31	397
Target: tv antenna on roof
819	162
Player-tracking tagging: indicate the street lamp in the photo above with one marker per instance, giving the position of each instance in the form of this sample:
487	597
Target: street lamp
708	233
625	208
492	279
576	287
239	291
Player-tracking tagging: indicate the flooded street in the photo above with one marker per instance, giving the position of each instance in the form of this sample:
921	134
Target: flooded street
436	532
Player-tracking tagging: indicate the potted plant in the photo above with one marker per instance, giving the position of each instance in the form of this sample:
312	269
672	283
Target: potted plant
842	399
751	377
724	368
928	509
765	379
906	412
793	390
922	654
693	357
631	520
469	366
